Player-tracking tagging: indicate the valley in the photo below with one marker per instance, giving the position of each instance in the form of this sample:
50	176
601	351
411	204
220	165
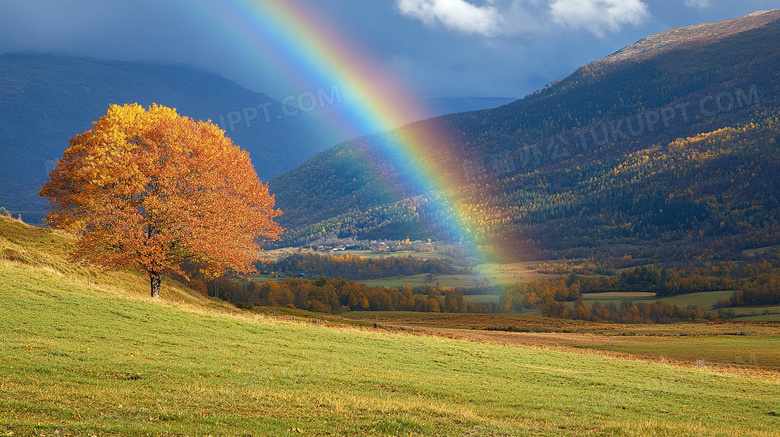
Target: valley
598	258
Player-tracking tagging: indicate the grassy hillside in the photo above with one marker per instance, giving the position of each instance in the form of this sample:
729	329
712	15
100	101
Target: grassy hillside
84	353
44	252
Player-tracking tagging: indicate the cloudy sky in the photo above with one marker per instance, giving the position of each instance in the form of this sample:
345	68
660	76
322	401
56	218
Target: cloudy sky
444	48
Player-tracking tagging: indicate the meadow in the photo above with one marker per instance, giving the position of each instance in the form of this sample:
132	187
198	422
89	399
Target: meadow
484	274
84	352
740	346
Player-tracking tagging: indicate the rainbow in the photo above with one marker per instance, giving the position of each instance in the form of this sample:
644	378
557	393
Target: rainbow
305	51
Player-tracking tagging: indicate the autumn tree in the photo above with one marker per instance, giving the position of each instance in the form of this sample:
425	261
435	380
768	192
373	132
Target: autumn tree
157	191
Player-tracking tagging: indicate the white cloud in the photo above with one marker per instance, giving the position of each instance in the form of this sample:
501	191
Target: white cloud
598	16
457	15
506	17
699	4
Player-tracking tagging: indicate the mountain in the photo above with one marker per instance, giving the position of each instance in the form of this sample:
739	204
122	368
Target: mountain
47	99
667	145
686	37
437	106
429	107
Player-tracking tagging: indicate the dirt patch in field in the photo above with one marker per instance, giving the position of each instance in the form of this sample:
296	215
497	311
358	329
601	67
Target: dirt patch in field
520	338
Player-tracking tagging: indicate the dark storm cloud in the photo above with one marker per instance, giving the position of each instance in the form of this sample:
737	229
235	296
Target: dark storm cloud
117	29
440	47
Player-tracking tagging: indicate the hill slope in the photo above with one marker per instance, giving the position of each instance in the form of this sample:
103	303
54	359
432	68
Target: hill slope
81	357
47	99
547	174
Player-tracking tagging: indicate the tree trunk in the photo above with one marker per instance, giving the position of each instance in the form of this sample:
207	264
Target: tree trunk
155	277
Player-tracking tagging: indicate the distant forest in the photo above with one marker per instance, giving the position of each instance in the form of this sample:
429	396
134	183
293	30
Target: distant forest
359	268
756	281
338	295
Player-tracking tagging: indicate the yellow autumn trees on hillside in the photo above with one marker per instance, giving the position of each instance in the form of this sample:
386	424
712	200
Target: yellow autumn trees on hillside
155	190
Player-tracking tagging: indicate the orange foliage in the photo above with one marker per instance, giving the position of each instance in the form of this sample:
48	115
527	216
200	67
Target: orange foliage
154	190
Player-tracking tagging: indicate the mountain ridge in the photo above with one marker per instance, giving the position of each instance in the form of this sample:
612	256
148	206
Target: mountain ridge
654	44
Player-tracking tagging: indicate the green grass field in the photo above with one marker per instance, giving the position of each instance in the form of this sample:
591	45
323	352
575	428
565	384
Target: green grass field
766	313
511	273
279	254
694	344
760	250
420	281
483	298
704	300
484	274
86	353
370	254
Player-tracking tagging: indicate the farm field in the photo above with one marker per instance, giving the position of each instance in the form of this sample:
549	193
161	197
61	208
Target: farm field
704	300
510	273
705	344
378	255
758	251
85	353
766	313
278	254
421	281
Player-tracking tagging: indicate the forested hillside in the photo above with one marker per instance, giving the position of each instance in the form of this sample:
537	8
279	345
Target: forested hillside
667	145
